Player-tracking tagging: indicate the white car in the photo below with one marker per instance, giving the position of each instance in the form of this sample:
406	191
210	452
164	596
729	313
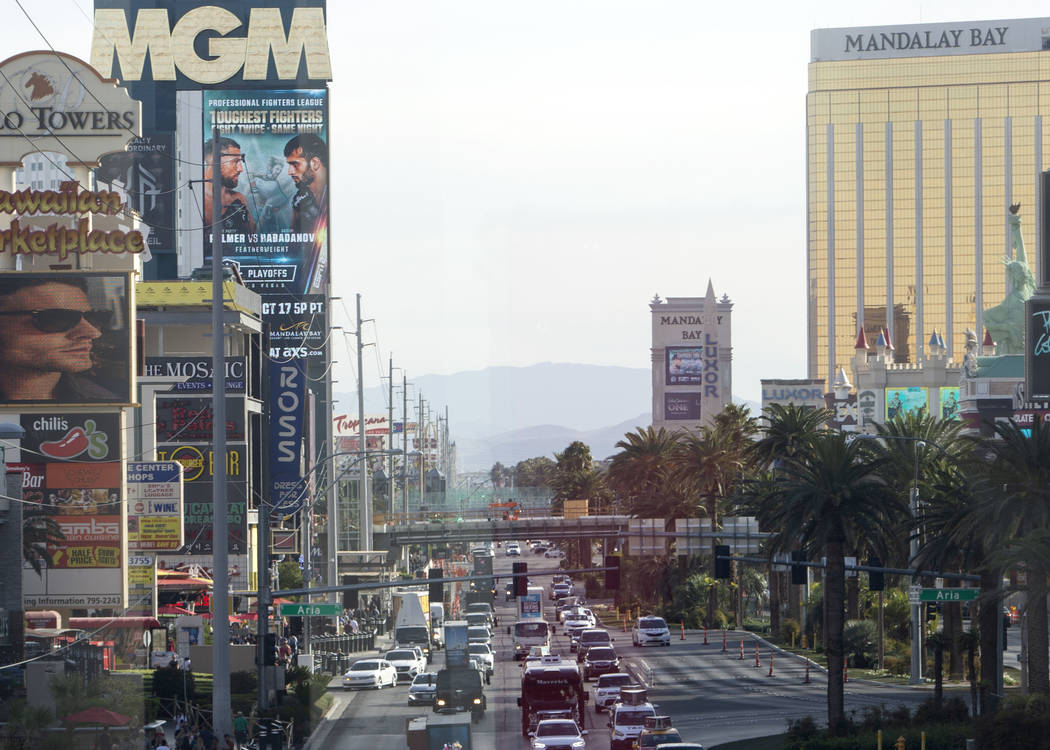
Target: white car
553	554
579	618
369	673
478	634
408	662
512	550
558	733
650	630
484	654
607	689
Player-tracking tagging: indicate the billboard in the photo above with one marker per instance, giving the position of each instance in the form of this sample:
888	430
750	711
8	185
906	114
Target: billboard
682	406
901	401
154	505
71	491
298	329
685	366
950	403
196	372
274	175
66	339
188	419
147	171
1037	350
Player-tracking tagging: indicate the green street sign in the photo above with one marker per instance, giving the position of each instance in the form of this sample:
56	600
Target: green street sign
948	595
311	610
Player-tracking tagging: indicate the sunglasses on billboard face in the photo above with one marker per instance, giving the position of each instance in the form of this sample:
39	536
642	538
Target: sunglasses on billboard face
60	319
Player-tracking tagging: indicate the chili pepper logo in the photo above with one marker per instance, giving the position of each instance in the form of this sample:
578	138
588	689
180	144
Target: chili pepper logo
78	440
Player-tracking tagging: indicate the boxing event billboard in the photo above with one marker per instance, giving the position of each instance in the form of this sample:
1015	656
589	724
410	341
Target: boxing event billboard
71	490
66	339
274	175
901	401
685	365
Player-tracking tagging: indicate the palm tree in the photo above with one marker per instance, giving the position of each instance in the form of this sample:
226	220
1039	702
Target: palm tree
641	473
711	463
828	495
788	429
1018	485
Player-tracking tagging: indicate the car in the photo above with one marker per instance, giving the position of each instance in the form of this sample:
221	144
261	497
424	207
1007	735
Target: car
477	618
553	553
607	689
482	608
512	550
579	617
592	637
536	653
650	630
407	661
478	634
628	719
656	733
422	689
560	733
681	746
483	653
370	673
508	592
567	603
599	660
561	590
539	549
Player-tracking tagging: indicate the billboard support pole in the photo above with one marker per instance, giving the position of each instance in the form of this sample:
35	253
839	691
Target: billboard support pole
220	606
263	535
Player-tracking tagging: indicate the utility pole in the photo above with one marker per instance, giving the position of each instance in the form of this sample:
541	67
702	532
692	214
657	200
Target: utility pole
220	602
363	505
421	431
404	449
390	436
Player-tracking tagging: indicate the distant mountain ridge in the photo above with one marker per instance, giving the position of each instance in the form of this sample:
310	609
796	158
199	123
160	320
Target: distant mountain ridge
509	414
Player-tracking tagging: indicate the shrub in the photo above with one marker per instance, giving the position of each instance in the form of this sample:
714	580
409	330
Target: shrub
718	619
896	665
859	642
1023	721
244	682
790	630
168	683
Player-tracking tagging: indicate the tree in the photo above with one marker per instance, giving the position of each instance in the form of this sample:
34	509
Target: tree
572	474
499	474
641	473
827	495
535	472
1018	488
712	462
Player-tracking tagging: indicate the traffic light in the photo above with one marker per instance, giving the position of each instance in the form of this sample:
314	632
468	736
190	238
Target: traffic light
612	575
437	586
798	572
521	579
270	649
876	579
722	561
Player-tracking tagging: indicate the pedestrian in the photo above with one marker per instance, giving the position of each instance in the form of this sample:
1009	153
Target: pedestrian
240	727
162	744
293	642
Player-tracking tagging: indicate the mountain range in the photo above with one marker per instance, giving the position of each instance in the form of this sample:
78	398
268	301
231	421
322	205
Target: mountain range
509	414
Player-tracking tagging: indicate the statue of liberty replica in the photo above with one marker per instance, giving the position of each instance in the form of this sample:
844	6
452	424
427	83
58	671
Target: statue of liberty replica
1005	321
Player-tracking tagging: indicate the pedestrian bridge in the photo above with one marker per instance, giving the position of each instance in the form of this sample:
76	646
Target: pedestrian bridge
429	532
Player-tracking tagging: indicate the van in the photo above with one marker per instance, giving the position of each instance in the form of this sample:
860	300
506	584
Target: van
437	625
529	633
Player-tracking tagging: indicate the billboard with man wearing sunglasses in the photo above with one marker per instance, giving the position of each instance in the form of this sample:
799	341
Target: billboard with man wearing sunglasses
66	338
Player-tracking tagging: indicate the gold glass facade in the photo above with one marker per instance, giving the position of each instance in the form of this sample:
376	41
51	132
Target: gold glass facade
912	164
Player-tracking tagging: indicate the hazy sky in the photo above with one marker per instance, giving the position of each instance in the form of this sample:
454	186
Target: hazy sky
513	181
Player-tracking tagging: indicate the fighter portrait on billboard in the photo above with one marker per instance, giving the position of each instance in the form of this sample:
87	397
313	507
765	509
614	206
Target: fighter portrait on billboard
65	338
273	172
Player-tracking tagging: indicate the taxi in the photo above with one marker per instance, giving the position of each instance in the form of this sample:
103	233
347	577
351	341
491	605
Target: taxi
656	731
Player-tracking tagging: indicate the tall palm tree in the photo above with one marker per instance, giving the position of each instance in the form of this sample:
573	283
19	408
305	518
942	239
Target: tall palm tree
787	429
1018	485
828	495
641	473
711	463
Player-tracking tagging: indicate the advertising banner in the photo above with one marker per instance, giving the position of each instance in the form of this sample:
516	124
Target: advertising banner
685	366
901	401
147	171
198	466
188	419
682	406
274	174
1037	350
62	437
197	373
65	339
869	404
287	415
142	586
154	505
950	403
298	329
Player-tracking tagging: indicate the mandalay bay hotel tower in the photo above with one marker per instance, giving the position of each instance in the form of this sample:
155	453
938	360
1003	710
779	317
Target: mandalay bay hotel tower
919	138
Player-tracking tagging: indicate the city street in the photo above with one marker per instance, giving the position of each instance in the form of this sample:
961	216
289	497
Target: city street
712	697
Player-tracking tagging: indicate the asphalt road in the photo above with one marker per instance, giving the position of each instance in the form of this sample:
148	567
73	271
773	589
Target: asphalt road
711	695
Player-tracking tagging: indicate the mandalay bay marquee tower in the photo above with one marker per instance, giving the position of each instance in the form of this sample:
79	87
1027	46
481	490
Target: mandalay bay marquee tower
919	138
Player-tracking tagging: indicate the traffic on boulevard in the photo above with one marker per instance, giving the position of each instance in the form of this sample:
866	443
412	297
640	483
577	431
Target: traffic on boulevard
553	669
